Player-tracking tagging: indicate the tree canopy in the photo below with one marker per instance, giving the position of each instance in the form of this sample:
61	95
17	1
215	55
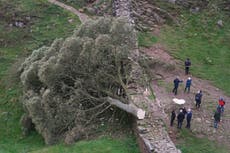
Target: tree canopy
65	85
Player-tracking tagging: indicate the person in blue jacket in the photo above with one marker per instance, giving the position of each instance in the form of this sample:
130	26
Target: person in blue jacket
176	85
189	118
187	65
188	84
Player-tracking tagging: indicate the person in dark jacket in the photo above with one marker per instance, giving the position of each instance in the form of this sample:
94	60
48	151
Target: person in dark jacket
173	116
188	84
189	118
180	119
184	111
187	65
198	98
176	85
218	109
216	119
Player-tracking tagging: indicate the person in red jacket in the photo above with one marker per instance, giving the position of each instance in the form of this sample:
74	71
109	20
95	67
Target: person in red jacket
221	104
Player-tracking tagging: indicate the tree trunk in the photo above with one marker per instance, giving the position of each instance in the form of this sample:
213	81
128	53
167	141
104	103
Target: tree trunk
129	108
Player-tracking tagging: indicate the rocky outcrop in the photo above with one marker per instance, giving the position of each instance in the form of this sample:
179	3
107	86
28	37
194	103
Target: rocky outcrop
145	14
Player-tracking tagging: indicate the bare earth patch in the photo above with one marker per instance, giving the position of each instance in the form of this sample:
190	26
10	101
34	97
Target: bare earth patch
202	122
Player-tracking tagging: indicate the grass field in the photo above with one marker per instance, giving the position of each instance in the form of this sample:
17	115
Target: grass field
101	145
206	44
188	143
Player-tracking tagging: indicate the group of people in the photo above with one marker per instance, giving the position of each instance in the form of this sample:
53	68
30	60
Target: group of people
198	97
181	116
177	81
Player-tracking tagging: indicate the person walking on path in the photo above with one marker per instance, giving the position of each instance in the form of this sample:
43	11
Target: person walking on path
198	98
176	82
189	118
188	84
173	116
180	119
221	104
187	65
216	119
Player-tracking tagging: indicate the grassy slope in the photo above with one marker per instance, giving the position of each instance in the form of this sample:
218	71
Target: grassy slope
200	39
50	22
102	145
191	144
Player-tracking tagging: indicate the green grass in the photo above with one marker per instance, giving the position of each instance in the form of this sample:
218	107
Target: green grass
200	39
188	143
102	145
75	3
146	39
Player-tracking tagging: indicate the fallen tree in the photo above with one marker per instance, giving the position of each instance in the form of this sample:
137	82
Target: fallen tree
67	85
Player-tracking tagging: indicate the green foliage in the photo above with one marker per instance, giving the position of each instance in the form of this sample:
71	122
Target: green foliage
102	145
146	39
65	84
206	44
76	3
45	24
188	143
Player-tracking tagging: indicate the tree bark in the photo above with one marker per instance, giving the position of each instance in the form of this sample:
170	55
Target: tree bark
129	108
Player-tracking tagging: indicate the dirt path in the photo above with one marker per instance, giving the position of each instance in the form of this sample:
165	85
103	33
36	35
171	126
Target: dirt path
202	123
82	17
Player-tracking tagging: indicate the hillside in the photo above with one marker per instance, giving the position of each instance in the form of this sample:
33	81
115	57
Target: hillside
195	30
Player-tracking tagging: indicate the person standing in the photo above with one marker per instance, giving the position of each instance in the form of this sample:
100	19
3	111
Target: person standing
180	118
221	104
176	82
198	98
188	84
187	64
173	116
216	119
189	118
184	111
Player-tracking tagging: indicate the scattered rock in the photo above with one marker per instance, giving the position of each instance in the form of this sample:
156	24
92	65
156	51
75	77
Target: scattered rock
172	1
198	120
220	23
194	10
28	18
70	20
81	10
91	10
19	24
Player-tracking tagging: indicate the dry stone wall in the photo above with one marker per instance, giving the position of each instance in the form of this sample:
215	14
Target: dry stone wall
151	131
143	13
